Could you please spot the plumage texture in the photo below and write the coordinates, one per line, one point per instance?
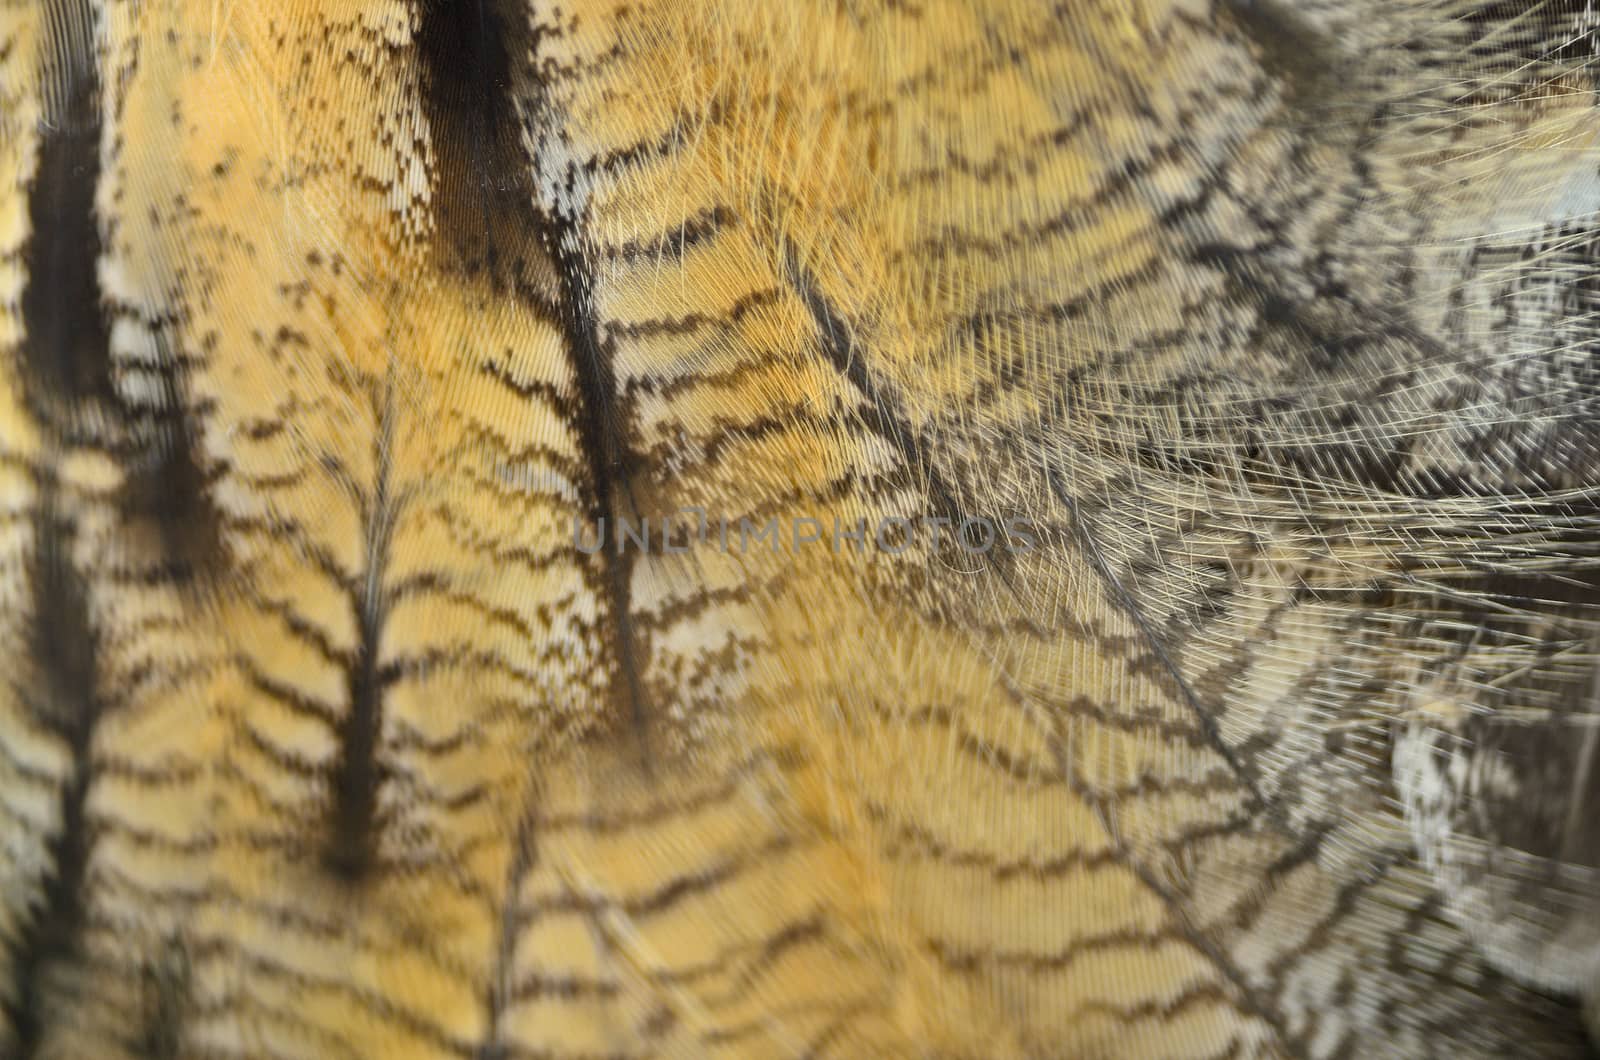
(329, 330)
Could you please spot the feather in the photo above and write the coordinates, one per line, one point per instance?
(882, 528)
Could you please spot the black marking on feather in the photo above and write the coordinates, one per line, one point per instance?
(66, 360)
(1522, 35)
(883, 408)
(1324, 332)
(1083, 533)
(612, 468)
(359, 773)
(64, 648)
(168, 483)
(1290, 50)
(1553, 768)
(1342, 417)
(67, 347)
(502, 986)
(70, 369)
(167, 981)
(485, 227)
(1281, 310)
(597, 417)
(484, 215)
(485, 208)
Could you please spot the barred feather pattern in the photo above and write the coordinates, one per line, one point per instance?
(330, 329)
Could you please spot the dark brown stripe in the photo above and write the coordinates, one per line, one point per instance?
(883, 408)
(482, 197)
(595, 411)
(679, 888)
(1292, 51)
(671, 245)
(353, 837)
(1087, 540)
(166, 482)
(689, 323)
(612, 465)
(166, 983)
(65, 360)
(505, 989)
(67, 348)
(64, 651)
